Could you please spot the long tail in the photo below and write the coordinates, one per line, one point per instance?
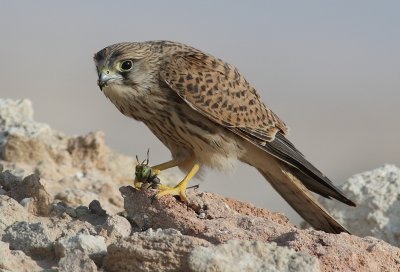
(293, 177)
(300, 199)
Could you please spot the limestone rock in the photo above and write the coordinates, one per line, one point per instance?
(377, 195)
(32, 238)
(225, 219)
(80, 164)
(32, 187)
(76, 261)
(15, 260)
(160, 250)
(228, 219)
(10, 212)
(76, 202)
(92, 246)
(237, 256)
(116, 227)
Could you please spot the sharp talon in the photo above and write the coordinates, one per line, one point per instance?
(180, 189)
(194, 187)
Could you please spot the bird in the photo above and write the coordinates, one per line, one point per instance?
(209, 116)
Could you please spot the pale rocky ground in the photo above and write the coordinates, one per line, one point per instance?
(377, 194)
(66, 204)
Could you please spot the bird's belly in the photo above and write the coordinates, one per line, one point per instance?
(194, 135)
(181, 129)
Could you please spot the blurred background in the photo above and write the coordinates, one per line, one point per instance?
(330, 69)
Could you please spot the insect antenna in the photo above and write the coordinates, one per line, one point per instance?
(148, 155)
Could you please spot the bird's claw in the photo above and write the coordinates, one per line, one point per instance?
(178, 190)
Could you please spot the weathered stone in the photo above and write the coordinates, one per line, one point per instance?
(15, 260)
(117, 226)
(76, 261)
(88, 149)
(95, 208)
(31, 238)
(81, 169)
(237, 256)
(161, 250)
(226, 219)
(10, 212)
(9, 180)
(377, 196)
(31, 187)
(93, 246)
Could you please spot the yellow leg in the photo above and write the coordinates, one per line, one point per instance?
(166, 165)
(180, 189)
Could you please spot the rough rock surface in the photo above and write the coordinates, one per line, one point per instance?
(227, 219)
(161, 250)
(237, 256)
(63, 207)
(377, 194)
(76, 261)
(92, 246)
(32, 238)
(10, 212)
(16, 260)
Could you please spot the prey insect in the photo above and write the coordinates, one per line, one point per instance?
(144, 175)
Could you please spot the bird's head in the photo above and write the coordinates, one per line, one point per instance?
(126, 66)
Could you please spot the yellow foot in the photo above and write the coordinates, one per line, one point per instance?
(178, 190)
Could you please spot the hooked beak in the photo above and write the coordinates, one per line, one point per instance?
(105, 77)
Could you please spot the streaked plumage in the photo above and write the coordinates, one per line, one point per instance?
(207, 113)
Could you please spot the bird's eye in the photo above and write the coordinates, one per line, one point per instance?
(126, 65)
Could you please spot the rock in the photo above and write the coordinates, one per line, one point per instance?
(226, 219)
(344, 252)
(161, 250)
(15, 260)
(16, 117)
(88, 151)
(15, 112)
(376, 193)
(28, 141)
(31, 187)
(83, 213)
(95, 208)
(76, 196)
(65, 226)
(251, 256)
(32, 238)
(80, 164)
(76, 261)
(8, 180)
(93, 246)
(10, 212)
(83, 172)
(29, 204)
(117, 227)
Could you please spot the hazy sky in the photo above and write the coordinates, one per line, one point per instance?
(330, 69)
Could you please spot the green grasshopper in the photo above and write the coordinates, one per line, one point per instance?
(144, 175)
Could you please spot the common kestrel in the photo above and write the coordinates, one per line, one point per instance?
(207, 114)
